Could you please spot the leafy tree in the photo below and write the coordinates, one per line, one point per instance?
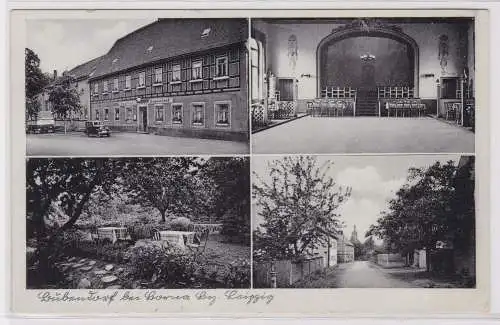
(66, 183)
(35, 81)
(168, 184)
(60, 188)
(422, 212)
(64, 98)
(230, 199)
(299, 205)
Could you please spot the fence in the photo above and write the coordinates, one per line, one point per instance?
(213, 228)
(390, 260)
(287, 272)
(71, 125)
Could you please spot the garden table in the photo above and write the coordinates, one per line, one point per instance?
(178, 238)
(112, 233)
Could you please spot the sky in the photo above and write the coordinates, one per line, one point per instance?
(374, 180)
(62, 44)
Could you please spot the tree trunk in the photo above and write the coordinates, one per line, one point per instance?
(163, 217)
(64, 126)
(428, 259)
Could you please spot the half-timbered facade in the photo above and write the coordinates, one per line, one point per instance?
(177, 77)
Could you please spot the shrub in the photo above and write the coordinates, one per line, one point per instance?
(180, 224)
(238, 274)
(153, 262)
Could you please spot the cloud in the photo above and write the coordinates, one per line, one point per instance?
(360, 212)
(64, 44)
(369, 196)
(367, 182)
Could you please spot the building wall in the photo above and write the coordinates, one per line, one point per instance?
(309, 35)
(328, 253)
(231, 90)
(235, 131)
(83, 89)
(345, 251)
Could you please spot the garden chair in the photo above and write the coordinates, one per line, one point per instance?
(156, 235)
(199, 244)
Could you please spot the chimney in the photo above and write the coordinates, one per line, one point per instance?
(55, 74)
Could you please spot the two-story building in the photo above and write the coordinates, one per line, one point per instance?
(79, 80)
(176, 77)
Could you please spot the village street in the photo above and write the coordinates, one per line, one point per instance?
(78, 144)
(358, 274)
(320, 135)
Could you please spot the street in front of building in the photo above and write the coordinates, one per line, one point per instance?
(358, 274)
(124, 143)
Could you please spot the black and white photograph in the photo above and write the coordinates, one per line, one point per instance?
(137, 223)
(364, 222)
(363, 85)
(136, 87)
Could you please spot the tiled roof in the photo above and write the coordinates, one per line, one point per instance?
(168, 38)
(84, 70)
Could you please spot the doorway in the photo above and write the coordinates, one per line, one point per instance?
(143, 119)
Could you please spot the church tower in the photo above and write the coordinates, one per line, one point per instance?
(354, 235)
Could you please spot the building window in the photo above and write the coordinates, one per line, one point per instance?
(221, 66)
(115, 84)
(198, 114)
(117, 113)
(177, 113)
(105, 86)
(142, 79)
(96, 88)
(257, 70)
(158, 75)
(129, 114)
(176, 72)
(106, 114)
(128, 81)
(196, 70)
(222, 113)
(135, 114)
(159, 113)
(97, 114)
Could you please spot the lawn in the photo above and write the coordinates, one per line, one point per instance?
(225, 253)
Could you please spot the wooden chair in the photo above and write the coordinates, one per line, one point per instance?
(199, 244)
(451, 111)
(156, 235)
(406, 108)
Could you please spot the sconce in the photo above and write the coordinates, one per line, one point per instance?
(138, 99)
(306, 75)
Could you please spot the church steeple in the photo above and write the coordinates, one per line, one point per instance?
(354, 235)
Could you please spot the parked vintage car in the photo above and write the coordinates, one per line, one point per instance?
(96, 128)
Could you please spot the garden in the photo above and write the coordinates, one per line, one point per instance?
(138, 223)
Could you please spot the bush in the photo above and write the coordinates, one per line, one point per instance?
(102, 250)
(238, 274)
(153, 262)
(180, 224)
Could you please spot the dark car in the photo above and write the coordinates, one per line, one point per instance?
(96, 128)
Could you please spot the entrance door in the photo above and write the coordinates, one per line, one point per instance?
(285, 87)
(368, 75)
(143, 119)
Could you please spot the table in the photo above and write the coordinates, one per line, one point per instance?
(177, 238)
(113, 233)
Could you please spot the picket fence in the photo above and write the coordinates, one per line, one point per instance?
(287, 272)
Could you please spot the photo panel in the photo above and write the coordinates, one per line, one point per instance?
(151, 86)
(363, 85)
(137, 223)
(364, 222)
